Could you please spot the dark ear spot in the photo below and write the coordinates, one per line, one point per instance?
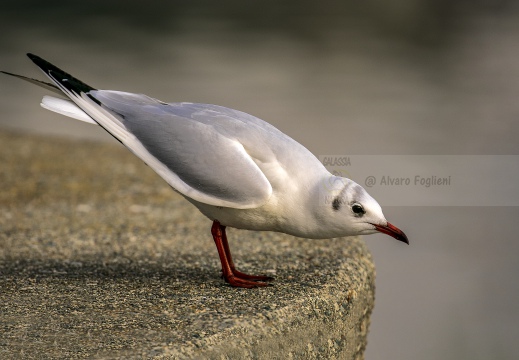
(336, 203)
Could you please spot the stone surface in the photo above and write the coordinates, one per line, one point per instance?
(99, 258)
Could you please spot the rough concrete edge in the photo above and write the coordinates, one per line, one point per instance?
(331, 317)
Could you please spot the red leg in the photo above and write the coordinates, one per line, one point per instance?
(231, 263)
(230, 274)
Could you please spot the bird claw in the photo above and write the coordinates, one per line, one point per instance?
(252, 277)
(239, 279)
(236, 281)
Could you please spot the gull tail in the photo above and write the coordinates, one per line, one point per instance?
(65, 107)
(83, 98)
(55, 104)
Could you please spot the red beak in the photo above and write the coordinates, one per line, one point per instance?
(393, 231)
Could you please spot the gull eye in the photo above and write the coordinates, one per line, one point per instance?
(358, 209)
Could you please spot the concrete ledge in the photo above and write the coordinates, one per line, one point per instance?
(99, 258)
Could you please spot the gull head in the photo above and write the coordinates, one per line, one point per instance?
(352, 211)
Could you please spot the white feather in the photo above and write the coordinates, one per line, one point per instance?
(65, 107)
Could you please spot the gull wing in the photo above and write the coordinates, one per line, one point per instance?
(196, 145)
(189, 145)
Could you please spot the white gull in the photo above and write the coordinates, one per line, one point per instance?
(238, 170)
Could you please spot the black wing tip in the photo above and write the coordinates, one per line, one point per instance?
(44, 65)
(64, 79)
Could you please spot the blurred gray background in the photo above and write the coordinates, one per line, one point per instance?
(403, 77)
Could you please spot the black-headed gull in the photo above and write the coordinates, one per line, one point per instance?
(238, 170)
